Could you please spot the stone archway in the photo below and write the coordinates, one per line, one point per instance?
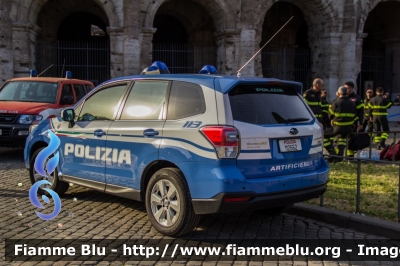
(319, 16)
(323, 27)
(220, 12)
(76, 40)
(185, 43)
(39, 20)
(27, 11)
(209, 25)
(287, 56)
(381, 47)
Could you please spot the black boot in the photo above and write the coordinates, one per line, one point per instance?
(340, 153)
(382, 143)
(331, 151)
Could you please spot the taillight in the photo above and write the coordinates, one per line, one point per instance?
(224, 139)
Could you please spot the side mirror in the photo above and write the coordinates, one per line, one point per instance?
(68, 115)
(67, 100)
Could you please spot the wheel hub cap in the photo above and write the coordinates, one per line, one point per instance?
(164, 203)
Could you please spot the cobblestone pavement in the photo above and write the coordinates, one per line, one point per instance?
(95, 215)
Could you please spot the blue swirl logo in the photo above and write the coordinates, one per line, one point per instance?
(50, 167)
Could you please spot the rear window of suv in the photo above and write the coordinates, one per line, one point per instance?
(267, 105)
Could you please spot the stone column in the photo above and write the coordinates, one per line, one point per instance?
(34, 31)
(116, 51)
(24, 46)
(6, 58)
(326, 62)
(146, 47)
(131, 57)
(131, 34)
(228, 51)
(258, 71)
(392, 65)
(350, 58)
(247, 51)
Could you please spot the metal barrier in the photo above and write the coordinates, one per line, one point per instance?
(359, 161)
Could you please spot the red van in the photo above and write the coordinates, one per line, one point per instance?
(24, 101)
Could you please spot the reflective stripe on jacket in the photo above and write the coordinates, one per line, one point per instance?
(378, 106)
(313, 99)
(359, 106)
(366, 108)
(343, 112)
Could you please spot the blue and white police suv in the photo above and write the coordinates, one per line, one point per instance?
(188, 145)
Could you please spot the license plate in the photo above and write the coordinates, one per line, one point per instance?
(1, 132)
(288, 145)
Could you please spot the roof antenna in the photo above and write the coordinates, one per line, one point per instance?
(62, 71)
(238, 73)
(44, 71)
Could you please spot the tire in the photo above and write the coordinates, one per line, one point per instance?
(58, 186)
(276, 210)
(170, 211)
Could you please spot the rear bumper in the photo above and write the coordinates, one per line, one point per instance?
(217, 204)
(9, 135)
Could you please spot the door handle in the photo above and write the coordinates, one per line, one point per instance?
(150, 133)
(99, 133)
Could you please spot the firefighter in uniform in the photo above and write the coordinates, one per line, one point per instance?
(325, 116)
(312, 97)
(358, 123)
(342, 114)
(367, 121)
(324, 108)
(378, 115)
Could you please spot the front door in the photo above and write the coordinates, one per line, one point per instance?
(83, 146)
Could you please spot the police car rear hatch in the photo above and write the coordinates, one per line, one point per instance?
(278, 135)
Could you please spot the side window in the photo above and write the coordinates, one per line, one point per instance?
(79, 90)
(66, 91)
(145, 101)
(88, 88)
(102, 104)
(186, 99)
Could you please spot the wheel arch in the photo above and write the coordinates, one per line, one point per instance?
(36, 146)
(149, 172)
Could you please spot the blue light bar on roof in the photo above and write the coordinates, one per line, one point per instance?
(68, 75)
(157, 67)
(208, 69)
(32, 73)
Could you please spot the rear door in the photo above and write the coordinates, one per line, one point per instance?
(135, 137)
(278, 133)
